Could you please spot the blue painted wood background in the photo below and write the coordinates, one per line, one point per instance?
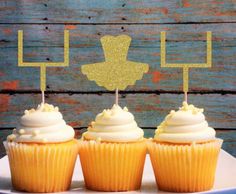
(185, 22)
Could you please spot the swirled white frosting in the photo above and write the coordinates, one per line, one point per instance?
(43, 125)
(114, 125)
(186, 125)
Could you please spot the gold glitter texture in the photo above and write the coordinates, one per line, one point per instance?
(116, 72)
(43, 65)
(186, 66)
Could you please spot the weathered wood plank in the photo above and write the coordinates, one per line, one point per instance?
(145, 35)
(3, 136)
(149, 109)
(117, 11)
(228, 136)
(183, 45)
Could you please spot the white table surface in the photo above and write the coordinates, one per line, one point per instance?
(225, 177)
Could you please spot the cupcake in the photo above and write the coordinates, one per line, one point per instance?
(42, 151)
(184, 151)
(112, 152)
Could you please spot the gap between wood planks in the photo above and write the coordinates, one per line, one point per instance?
(120, 23)
(99, 92)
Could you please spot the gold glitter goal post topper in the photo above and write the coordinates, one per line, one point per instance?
(43, 65)
(186, 66)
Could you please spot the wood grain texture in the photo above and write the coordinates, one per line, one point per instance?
(149, 109)
(183, 45)
(3, 136)
(122, 11)
(228, 136)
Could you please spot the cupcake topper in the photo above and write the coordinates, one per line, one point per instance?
(43, 65)
(116, 72)
(186, 66)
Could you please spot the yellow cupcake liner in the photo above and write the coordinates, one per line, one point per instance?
(112, 166)
(184, 168)
(42, 167)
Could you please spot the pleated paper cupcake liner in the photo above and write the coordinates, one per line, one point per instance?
(112, 166)
(42, 167)
(184, 168)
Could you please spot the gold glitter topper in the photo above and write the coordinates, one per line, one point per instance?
(186, 66)
(43, 65)
(116, 72)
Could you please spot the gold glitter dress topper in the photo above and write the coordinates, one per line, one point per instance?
(116, 72)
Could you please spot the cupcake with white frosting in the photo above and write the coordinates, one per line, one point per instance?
(184, 151)
(112, 152)
(42, 151)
